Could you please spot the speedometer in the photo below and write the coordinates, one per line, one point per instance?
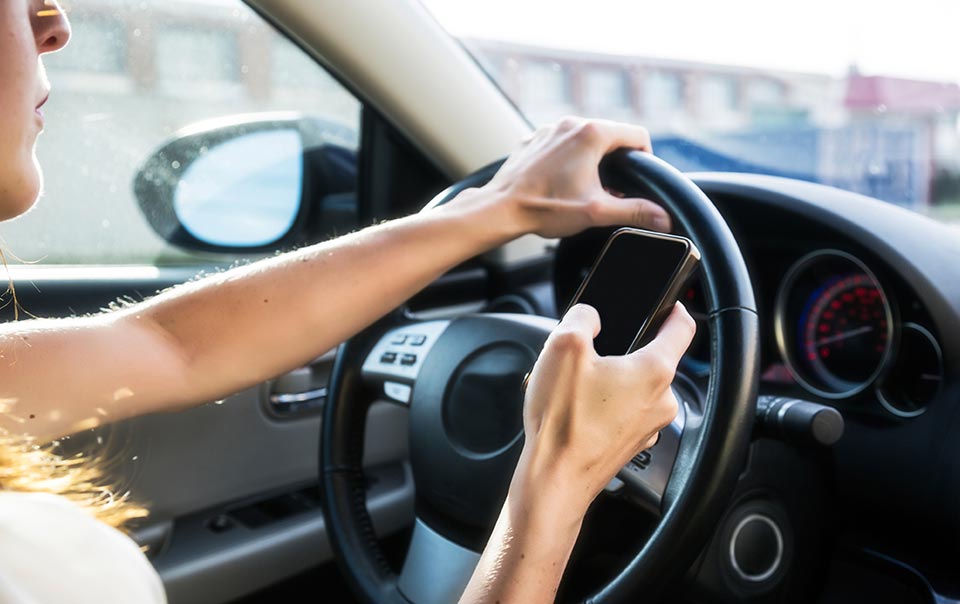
(844, 332)
(834, 324)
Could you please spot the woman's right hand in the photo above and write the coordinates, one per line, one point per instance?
(585, 415)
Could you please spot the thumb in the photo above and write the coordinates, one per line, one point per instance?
(630, 211)
(582, 319)
(674, 337)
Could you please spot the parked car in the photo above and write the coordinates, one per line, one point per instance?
(214, 132)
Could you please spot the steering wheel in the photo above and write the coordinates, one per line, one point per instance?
(461, 380)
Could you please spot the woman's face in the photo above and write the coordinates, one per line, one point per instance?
(28, 29)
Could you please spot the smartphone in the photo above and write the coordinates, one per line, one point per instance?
(634, 284)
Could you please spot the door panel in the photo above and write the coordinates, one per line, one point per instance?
(243, 513)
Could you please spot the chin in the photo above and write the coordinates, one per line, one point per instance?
(21, 191)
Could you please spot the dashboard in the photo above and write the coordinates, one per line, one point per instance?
(859, 307)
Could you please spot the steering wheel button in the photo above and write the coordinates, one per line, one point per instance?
(388, 357)
(399, 339)
(417, 340)
(398, 392)
(408, 359)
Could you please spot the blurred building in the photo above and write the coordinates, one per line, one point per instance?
(667, 95)
(884, 137)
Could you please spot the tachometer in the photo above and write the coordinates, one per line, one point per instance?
(834, 324)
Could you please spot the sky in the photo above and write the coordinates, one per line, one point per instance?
(916, 39)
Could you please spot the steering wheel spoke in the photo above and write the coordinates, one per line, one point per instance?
(436, 569)
(645, 477)
(394, 362)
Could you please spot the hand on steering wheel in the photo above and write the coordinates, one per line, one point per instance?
(554, 187)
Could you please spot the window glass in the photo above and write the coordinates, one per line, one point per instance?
(288, 70)
(765, 93)
(292, 76)
(187, 55)
(546, 84)
(494, 67)
(133, 77)
(606, 90)
(717, 102)
(662, 93)
(98, 45)
(720, 92)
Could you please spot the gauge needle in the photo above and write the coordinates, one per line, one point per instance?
(843, 335)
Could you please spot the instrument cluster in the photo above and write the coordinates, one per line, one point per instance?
(839, 333)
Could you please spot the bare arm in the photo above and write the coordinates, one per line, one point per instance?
(205, 340)
(585, 416)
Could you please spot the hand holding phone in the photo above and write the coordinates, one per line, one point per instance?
(634, 284)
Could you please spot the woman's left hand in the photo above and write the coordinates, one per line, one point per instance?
(554, 183)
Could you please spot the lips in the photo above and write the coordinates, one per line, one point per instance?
(41, 104)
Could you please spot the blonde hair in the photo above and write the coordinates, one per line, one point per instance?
(27, 466)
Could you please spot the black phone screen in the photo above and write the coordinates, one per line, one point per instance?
(626, 283)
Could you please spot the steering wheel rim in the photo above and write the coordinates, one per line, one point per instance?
(702, 480)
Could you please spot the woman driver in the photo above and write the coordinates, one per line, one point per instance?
(584, 416)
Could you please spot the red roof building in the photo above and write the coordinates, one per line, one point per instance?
(900, 95)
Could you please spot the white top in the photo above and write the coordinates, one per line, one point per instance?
(52, 551)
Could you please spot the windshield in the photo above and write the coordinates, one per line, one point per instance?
(855, 94)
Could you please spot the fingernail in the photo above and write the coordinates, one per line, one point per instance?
(661, 222)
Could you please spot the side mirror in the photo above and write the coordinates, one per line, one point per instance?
(250, 183)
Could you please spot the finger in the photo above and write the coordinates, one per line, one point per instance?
(674, 336)
(651, 442)
(617, 134)
(583, 319)
(632, 211)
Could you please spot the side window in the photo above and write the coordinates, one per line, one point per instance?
(131, 82)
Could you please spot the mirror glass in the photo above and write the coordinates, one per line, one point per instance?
(244, 192)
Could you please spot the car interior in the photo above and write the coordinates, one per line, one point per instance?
(814, 458)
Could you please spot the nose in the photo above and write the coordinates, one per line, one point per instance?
(50, 26)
